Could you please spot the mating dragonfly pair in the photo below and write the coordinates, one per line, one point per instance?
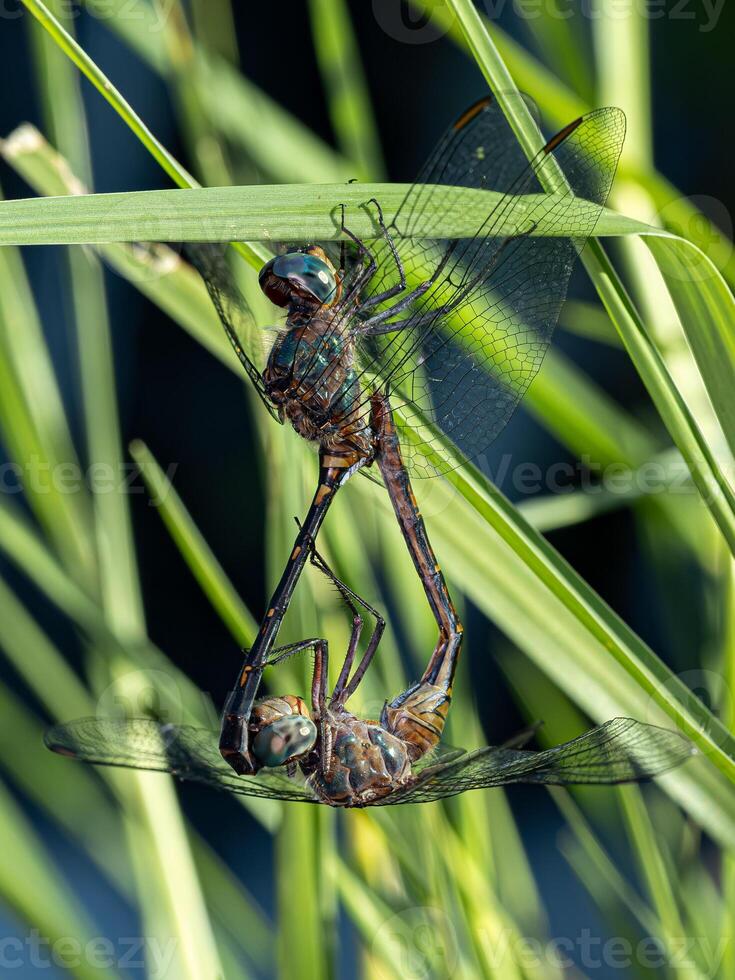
(455, 330)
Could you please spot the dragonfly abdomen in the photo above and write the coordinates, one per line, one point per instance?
(417, 717)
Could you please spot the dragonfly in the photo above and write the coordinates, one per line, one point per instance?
(392, 345)
(329, 755)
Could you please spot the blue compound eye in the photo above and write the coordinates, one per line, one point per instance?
(283, 740)
(298, 275)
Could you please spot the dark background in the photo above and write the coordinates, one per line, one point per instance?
(188, 408)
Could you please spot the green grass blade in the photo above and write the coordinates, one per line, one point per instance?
(214, 23)
(700, 455)
(707, 313)
(654, 871)
(194, 548)
(602, 866)
(271, 137)
(604, 432)
(694, 447)
(559, 105)
(558, 102)
(261, 213)
(66, 794)
(622, 55)
(345, 87)
(32, 887)
(650, 673)
(559, 34)
(160, 832)
(34, 424)
(588, 320)
(103, 85)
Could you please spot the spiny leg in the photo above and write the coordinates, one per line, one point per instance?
(367, 325)
(376, 325)
(289, 650)
(319, 683)
(353, 284)
(343, 690)
(392, 291)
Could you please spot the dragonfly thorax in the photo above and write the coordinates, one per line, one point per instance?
(311, 378)
(364, 762)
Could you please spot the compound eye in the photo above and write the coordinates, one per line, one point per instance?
(283, 740)
(275, 286)
(309, 276)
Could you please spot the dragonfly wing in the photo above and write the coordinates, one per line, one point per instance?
(463, 354)
(183, 751)
(620, 751)
(247, 340)
(441, 753)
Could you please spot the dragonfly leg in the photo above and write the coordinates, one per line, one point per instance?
(376, 325)
(319, 684)
(418, 714)
(233, 742)
(342, 689)
(352, 286)
(367, 326)
(400, 286)
(290, 650)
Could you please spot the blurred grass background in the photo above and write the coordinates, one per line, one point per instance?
(99, 613)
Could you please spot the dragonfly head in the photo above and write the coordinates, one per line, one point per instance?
(302, 279)
(281, 730)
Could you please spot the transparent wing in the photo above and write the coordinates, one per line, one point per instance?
(181, 750)
(248, 342)
(462, 355)
(620, 751)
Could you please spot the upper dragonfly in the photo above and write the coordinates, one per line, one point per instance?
(455, 329)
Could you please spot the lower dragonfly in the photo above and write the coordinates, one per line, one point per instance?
(455, 330)
(329, 755)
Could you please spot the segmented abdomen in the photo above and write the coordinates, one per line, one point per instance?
(417, 717)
